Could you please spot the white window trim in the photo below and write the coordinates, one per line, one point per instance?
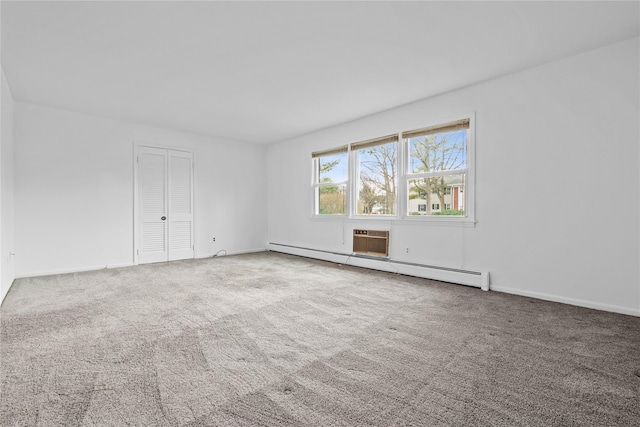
(469, 191)
(353, 166)
(403, 177)
(315, 173)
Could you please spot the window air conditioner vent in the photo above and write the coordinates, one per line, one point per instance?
(371, 242)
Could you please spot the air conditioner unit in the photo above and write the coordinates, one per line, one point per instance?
(371, 242)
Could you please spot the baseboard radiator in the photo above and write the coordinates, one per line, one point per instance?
(477, 279)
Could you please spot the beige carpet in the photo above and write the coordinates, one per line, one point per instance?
(271, 339)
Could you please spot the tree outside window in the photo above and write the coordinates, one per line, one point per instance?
(377, 179)
(330, 179)
(361, 179)
(437, 167)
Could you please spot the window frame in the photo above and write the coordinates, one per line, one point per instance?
(355, 178)
(316, 185)
(402, 180)
(468, 172)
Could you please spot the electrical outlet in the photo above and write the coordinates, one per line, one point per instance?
(214, 239)
(407, 250)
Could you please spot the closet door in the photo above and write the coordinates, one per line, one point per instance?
(152, 205)
(164, 205)
(180, 207)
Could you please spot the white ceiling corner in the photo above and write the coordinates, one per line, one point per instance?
(264, 72)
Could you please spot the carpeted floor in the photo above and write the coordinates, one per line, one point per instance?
(271, 339)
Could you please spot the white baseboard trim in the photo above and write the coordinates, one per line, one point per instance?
(469, 278)
(102, 267)
(6, 292)
(228, 253)
(70, 270)
(571, 301)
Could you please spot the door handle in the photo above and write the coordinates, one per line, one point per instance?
(163, 218)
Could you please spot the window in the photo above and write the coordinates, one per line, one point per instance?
(330, 181)
(437, 169)
(428, 169)
(376, 163)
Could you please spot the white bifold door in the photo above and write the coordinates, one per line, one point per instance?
(164, 205)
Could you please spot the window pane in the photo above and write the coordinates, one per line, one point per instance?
(332, 199)
(429, 196)
(333, 168)
(377, 180)
(439, 152)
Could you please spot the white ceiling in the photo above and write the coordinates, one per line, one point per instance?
(263, 72)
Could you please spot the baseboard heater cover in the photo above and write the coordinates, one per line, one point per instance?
(445, 274)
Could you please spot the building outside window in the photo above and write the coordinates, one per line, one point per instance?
(437, 168)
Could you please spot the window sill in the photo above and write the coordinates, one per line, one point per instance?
(406, 220)
(448, 220)
(375, 217)
(329, 217)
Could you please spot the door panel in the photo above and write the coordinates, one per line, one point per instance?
(152, 202)
(165, 205)
(180, 205)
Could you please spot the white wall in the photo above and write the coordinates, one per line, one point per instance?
(6, 190)
(74, 190)
(551, 142)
